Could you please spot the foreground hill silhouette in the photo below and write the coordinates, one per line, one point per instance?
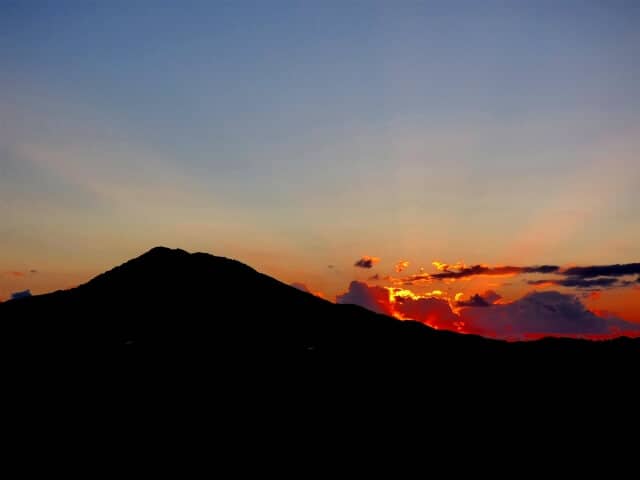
(172, 340)
(173, 303)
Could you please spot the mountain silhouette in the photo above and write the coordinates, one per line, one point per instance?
(172, 307)
(172, 339)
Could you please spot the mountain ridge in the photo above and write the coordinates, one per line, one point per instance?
(170, 300)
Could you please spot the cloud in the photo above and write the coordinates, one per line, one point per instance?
(485, 270)
(372, 298)
(475, 301)
(401, 265)
(366, 262)
(434, 312)
(588, 283)
(617, 270)
(445, 271)
(604, 276)
(487, 299)
(539, 314)
(491, 296)
(443, 267)
(400, 303)
(23, 294)
(536, 315)
(18, 274)
(579, 282)
(15, 274)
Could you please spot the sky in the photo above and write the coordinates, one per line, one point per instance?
(300, 137)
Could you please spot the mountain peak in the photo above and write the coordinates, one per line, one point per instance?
(162, 250)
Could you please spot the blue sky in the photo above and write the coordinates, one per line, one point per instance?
(293, 135)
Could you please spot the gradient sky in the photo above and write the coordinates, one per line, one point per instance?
(297, 135)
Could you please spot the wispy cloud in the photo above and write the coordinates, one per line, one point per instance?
(460, 271)
(485, 270)
(581, 277)
(577, 282)
(117, 174)
(15, 274)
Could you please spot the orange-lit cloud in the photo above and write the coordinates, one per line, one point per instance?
(372, 298)
(366, 261)
(446, 267)
(503, 319)
(623, 302)
(15, 274)
(401, 265)
(442, 267)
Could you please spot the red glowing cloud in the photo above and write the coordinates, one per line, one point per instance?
(535, 315)
(541, 312)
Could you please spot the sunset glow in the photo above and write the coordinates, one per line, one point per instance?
(475, 167)
(536, 308)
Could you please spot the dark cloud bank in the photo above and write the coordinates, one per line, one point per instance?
(589, 277)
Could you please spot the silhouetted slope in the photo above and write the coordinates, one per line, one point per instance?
(175, 300)
(211, 349)
(172, 304)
